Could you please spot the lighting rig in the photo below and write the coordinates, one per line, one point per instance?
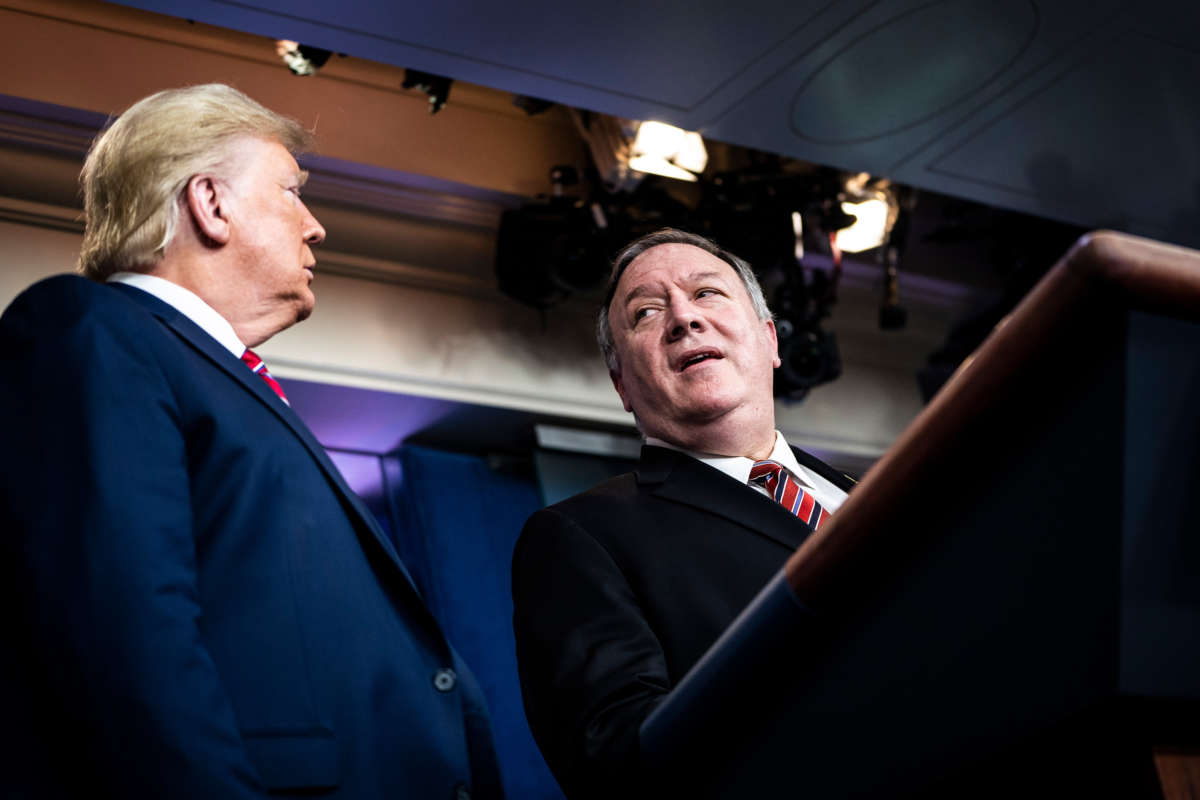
(553, 247)
(562, 245)
(771, 218)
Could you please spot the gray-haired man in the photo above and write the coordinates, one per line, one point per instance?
(619, 591)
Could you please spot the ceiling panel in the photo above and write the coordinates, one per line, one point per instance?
(933, 80)
(914, 67)
(1080, 110)
(1087, 157)
(617, 48)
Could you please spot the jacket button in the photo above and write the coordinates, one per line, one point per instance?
(444, 679)
(461, 792)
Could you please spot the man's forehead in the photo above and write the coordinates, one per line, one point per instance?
(678, 261)
(266, 150)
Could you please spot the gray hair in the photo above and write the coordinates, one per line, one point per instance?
(136, 170)
(669, 236)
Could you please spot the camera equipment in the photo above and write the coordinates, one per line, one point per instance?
(552, 248)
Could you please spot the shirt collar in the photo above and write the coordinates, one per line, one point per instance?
(187, 303)
(738, 467)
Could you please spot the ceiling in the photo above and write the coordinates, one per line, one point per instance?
(1084, 112)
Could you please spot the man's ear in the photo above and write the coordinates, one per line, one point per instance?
(615, 377)
(776, 361)
(207, 202)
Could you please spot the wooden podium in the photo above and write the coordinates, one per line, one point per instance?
(1008, 605)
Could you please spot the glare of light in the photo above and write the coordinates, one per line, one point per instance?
(660, 166)
(870, 227)
(798, 231)
(664, 149)
(691, 154)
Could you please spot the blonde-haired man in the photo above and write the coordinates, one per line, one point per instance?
(199, 606)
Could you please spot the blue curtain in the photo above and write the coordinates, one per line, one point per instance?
(456, 522)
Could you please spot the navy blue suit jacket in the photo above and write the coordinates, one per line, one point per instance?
(198, 606)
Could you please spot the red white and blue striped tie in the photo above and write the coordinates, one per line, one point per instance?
(787, 492)
(257, 366)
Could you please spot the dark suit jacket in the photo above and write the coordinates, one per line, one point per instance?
(618, 592)
(195, 603)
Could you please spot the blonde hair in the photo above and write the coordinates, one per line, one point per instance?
(136, 170)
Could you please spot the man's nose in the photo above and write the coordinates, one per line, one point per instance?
(684, 319)
(314, 233)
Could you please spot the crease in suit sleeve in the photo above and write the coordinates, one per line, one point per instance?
(591, 667)
(108, 568)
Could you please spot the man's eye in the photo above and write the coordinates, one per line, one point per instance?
(644, 312)
(707, 293)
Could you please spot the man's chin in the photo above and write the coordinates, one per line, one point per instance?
(306, 302)
(686, 421)
(706, 408)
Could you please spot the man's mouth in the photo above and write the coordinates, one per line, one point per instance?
(694, 357)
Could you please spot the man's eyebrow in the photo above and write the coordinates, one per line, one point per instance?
(636, 292)
(707, 274)
(694, 277)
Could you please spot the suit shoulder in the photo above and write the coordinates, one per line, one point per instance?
(600, 500)
(64, 300)
(64, 288)
(603, 497)
(591, 518)
(82, 326)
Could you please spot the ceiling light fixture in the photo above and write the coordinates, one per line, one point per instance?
(662, 149)
(435, 87)
(301, 59)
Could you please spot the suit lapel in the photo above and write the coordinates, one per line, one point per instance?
(680, 478)
(211, 349)
(838, 479)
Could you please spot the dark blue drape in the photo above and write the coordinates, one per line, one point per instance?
(457, 520)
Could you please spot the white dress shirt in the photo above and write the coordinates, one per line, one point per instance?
(187, 303)
(738, 467)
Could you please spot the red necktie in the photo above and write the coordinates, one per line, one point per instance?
(257, 366)
(787, 492)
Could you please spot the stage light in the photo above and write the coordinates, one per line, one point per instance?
(552, 248)
(532, 105)
(872, 219)
(658, 139)
(691, 154)
(808, 357)
(798, 232)
(435, 87)
(659, 166)
(301, 59)
(663, 149)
